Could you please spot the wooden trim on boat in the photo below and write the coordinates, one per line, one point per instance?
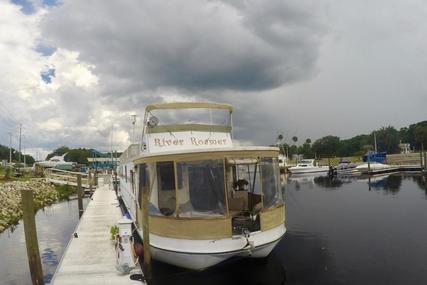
(191, 228)
(271, 218)
(207, 155)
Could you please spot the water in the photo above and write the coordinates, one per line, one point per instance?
(55, 226)
(340, 231)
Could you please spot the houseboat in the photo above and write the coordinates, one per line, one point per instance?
(209, 200)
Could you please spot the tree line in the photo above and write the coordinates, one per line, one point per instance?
(78, 155)
(388, 140)
(4, 155)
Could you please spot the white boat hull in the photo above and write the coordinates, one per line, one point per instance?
(207, 253)
(320, 169)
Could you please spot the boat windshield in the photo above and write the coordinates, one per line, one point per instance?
(306, 162)
(253, 184)
(202, 116)
(270, 174)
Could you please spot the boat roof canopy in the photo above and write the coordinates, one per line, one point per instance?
(189, 105)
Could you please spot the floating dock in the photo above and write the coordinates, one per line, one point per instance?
(397, 168)
(90, 257)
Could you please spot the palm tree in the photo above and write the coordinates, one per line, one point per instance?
(295, 139)
(308, 141)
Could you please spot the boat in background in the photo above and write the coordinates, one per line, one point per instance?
(57, 162)
(346, 167)
(308, 166)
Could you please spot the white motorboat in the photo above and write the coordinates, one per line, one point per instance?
(373, 166)
(308, 166)
(346, 167)
(56, 162)
(209, 200)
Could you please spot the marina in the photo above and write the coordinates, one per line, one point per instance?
(213, 142)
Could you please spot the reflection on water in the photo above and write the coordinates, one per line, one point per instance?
(370, 237)
(55, 225)
(421, 182)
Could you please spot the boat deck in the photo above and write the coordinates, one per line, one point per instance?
(90, 258)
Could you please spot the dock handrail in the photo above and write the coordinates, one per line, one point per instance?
(64, 177)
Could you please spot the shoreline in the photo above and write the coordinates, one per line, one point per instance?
(45, 194)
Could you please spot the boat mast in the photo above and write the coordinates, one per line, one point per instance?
(375, 141)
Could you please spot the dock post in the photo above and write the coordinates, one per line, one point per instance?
(423, 155)
(115, 182)
(80, 194)
(31, 241)
(89, 180)
(369, 182)
(146, 236)
(425, 161)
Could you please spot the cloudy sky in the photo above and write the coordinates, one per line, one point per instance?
(73, 70)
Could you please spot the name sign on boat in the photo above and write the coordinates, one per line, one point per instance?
(161, 142)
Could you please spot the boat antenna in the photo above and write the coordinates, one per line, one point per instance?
(375, 141)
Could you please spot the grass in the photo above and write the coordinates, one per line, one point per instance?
(65, 191)
(7, 174)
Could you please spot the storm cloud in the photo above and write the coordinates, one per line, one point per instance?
(199, 45)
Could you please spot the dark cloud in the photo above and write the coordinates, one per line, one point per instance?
(202, 45)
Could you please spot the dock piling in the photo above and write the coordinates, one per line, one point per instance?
(146, 236)
(89, 179)
(80, 194)
(31, 241)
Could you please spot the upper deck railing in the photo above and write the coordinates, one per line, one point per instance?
(186, 125)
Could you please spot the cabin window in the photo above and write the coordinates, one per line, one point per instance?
(201, 188)
(163, 196)
(270, 175)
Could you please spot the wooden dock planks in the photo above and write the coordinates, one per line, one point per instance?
(90, 258)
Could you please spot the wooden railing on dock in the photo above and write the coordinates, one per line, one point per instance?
(62, 177)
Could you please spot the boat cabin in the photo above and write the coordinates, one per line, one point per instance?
(201, 186)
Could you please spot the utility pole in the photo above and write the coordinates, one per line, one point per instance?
(133, 128)
(375, 141)
(20, 138)
(111, 147)
(10, 148)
